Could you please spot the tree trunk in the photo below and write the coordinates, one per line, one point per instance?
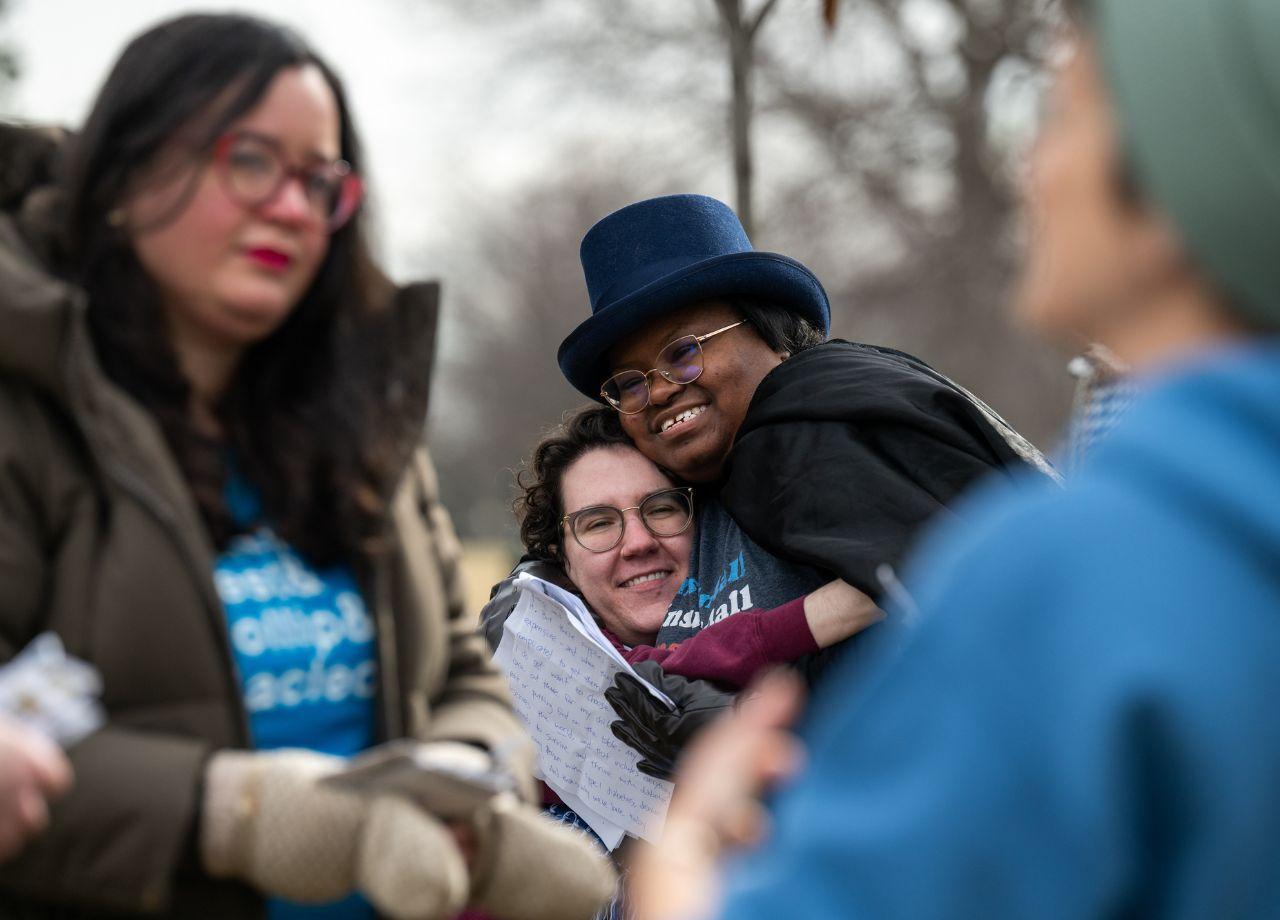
(743, 167)
(739, 38)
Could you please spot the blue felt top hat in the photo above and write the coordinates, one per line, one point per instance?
(659, 255)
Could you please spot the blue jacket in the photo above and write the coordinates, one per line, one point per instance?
(1086, 722)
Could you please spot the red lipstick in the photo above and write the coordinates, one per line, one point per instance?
(270, 258)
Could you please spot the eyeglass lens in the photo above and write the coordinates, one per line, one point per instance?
(254, 172)
(663, 514)
(680, 362)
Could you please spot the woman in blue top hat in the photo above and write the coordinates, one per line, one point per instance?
(1091, 710)
(819, 458)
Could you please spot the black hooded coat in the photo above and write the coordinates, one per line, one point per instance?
(847, 450)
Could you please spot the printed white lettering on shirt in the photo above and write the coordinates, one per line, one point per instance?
(281, 628)
(333, 684)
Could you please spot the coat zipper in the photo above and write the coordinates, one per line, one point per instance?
(389, 686)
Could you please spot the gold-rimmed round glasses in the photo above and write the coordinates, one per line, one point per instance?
(665, 513)
(681, 362)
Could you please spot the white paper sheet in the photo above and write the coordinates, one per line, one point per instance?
(48, 690)
(559, 664)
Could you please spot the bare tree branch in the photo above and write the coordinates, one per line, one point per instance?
(761, 15)
(829, 11)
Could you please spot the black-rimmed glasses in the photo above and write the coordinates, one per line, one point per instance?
(598, 529)
(253, 170)
(681, 362)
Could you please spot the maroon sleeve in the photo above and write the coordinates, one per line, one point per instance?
(737, 648)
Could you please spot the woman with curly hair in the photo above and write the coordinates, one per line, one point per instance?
(578, 490)
(600, 519)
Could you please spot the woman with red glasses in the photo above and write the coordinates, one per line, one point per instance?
(211, 488)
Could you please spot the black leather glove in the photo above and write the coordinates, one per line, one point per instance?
(647, 726)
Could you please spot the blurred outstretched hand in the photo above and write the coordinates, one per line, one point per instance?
(717, 804)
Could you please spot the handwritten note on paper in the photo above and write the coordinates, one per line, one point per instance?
(558, 676)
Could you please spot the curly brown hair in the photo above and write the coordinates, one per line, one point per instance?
(540, 504)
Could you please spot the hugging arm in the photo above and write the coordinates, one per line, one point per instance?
(823, 618)
(732, 652)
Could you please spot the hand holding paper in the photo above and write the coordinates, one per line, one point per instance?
(451, 780)
(559, 665)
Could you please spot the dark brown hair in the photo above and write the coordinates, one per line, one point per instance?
(783, 330)
(540, 504)
(301, 418)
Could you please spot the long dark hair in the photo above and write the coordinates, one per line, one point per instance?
(540, 504)
(299, 417)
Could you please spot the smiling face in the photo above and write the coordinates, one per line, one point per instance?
(688, 429)
(228, 275)
(630, 586)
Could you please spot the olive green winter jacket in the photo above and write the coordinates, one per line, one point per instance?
(101, 541)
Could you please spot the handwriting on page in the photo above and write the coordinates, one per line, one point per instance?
(558, 678)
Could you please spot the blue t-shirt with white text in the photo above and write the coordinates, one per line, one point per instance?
(303, 644)
(729, 573)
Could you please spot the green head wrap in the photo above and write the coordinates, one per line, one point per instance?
(1196, 84)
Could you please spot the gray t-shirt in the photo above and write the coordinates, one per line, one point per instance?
(729, 573)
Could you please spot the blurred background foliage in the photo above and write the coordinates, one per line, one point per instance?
(9, 60)
(878, 141)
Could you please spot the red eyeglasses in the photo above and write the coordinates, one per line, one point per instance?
(254, 169)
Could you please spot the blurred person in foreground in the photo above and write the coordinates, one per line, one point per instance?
(212, 489)
(1083, 725)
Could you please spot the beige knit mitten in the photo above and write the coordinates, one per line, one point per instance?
(267, 819)
(409, 865)
(532, 868)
